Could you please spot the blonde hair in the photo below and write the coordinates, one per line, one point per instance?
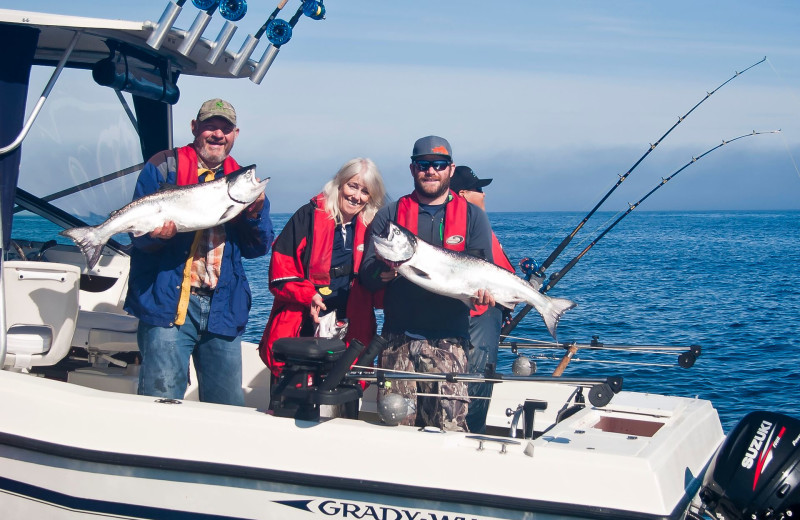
(370, 176)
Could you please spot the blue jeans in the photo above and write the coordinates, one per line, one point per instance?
(165, 358)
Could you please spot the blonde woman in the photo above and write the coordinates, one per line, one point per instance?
(316, 258)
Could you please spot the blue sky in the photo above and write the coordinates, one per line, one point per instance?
(551, 99)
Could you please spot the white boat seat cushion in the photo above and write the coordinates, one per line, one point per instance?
(106, 332)
(27, 340)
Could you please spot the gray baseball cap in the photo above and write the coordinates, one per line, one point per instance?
(217, 108)
(432, 145)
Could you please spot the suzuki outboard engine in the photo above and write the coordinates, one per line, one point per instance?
(755, 474)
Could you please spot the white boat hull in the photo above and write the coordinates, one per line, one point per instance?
(68, 451)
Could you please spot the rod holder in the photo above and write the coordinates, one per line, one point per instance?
(247, 49)
(165, 23)
(221, 43)
(195, 31)
(263, 66)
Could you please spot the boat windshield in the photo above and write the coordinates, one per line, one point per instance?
(82, 134)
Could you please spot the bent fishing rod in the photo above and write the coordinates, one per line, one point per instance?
(560, 248)
(555, 277)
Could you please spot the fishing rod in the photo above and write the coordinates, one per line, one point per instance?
(548, 284)
(686, 359)
(601, 390)
(560, 248)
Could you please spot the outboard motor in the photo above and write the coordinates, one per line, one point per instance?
(313, 375)
(755, 473)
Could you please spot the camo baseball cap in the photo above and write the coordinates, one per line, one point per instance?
(217, 108)
(431, 145)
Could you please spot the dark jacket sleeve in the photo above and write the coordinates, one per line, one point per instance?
(371, 265)
(256, 234)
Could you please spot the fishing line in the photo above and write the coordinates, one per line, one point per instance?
(791, 157)
(797, 100)
(555, 277)
(550, 259)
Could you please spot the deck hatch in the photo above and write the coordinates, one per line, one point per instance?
(628, 426)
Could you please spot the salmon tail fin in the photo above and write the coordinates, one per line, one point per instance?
(88, 240)
(555, 309)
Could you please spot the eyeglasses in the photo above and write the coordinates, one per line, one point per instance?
(439, 166)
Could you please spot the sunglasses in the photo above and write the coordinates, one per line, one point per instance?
(437, 165)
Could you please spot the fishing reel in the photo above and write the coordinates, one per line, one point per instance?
(279, 32)
(232, 10)
(314, 9)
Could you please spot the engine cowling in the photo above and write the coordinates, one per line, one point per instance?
(755, 473)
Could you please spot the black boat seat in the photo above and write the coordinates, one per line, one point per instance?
(314, 351)
(312, 376)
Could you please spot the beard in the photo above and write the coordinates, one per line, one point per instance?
(209, 157)
(430, 191)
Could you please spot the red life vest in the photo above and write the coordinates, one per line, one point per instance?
(186, 158)
(455, 219)
(319, 265)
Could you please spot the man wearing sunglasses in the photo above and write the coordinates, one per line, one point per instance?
(427, 332)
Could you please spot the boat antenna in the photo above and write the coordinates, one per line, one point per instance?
(555, 277)
(560, 248)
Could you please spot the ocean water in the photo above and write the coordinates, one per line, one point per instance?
(727, 281)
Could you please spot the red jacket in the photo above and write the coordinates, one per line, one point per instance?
(500, 260)
(300, 265)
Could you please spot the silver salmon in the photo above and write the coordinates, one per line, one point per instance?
(191, 208)
(460, 276)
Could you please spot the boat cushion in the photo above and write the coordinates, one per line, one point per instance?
(27, 340)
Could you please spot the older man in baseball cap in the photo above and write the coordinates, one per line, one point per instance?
(428, 332)
(189, 290)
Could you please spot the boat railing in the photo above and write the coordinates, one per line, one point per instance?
(45, 93)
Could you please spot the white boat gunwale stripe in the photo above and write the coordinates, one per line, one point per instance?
(96, 506)
(283, 477)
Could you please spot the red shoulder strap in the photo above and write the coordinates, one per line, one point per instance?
(408, 212)
(455, 223)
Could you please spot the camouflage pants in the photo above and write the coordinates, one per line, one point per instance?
(440, 356)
